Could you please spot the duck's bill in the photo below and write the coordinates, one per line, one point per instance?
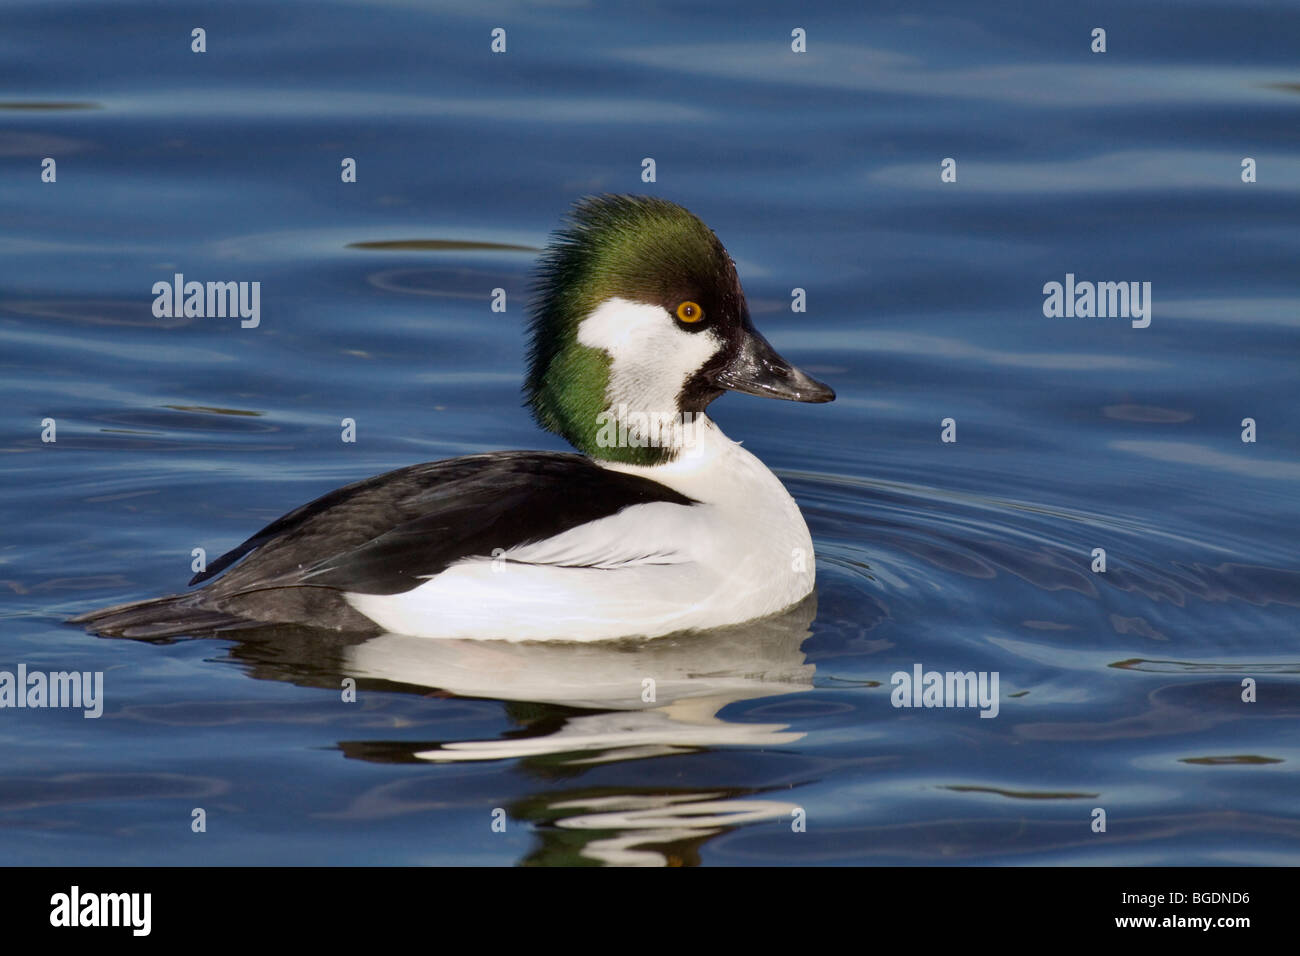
(757, 369)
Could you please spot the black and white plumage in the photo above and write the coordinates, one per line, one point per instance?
(388, 534)
(670, 526)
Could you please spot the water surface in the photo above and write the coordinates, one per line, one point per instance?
(1119, 690)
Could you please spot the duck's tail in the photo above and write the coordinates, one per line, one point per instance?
(156, 618)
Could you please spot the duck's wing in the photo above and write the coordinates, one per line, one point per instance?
(386, 534)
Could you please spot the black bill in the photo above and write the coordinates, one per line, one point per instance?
(758, 370)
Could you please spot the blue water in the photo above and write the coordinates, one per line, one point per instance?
(1119, 691)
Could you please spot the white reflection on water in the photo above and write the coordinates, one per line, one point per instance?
(850, 66)
(1141, 171)
(660, 819)
(943, 347)
(199, 105)
(694, 676)
(1190, 453)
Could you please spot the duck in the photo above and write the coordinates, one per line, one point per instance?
(657, 524)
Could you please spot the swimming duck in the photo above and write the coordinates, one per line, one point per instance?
(661, 524)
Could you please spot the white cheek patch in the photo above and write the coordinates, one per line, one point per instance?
(651, 359)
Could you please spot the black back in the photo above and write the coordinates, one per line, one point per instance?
(385, 534)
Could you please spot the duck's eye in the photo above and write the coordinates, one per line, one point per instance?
(690, 312)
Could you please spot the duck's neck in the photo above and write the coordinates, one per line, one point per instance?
(705, 448)
(601, 422)
(632, 436)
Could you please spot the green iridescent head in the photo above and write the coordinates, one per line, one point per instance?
(639, 322)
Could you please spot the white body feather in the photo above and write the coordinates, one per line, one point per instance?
(743, 552)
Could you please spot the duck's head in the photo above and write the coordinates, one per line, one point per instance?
(639, 323)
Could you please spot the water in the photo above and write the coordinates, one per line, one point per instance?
(1119, 690)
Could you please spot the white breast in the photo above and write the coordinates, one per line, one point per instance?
(743, 552)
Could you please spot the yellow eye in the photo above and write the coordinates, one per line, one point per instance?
(689, 312)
